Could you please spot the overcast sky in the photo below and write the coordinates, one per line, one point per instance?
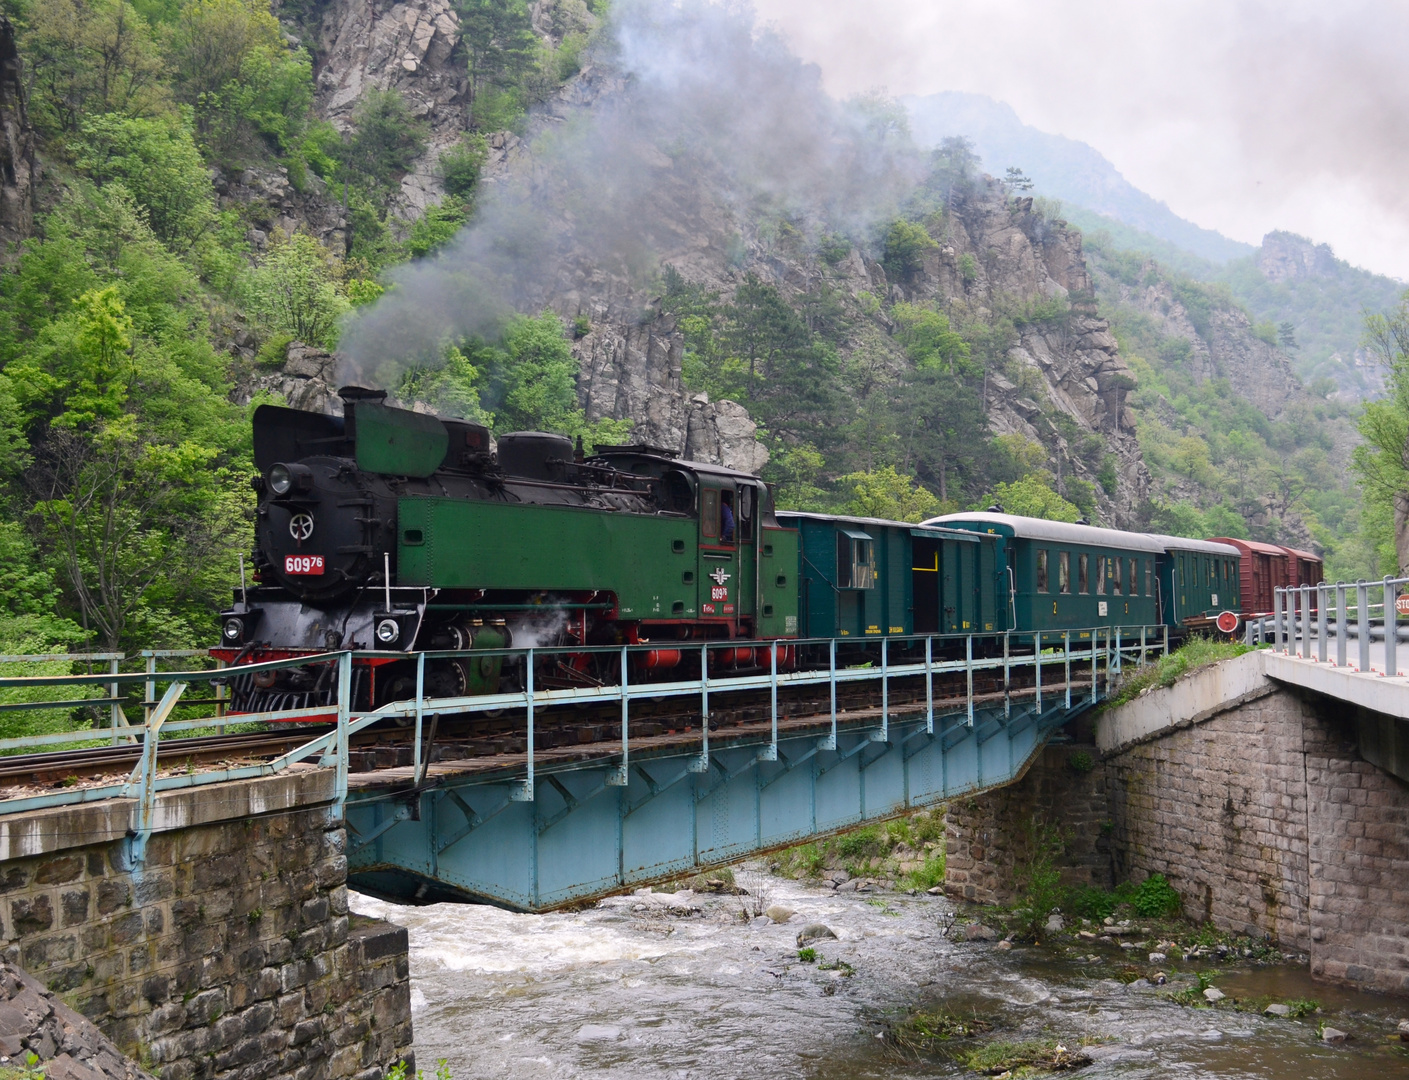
(1243, 115)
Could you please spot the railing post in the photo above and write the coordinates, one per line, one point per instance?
(1342, 631)
(1321, 622)
(1117, 651)
(1095, 682)
(344, 715)
(929, 685)
(1066, 653)
(523, 791)
(884, 734)
(1142, 644)
(701, 763)
(617, 777)
(1362, 621)
(830, 743)
(420, 708)
(969, 674)
(1391, 631)
(1037, 657)
(1277, 620)
(149, 690)
(114, 710)
(1166, 639)
(1007, 677)
(771, 754)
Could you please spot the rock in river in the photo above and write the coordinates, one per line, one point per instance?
(779, 914)
(814, 932)
(979, 932)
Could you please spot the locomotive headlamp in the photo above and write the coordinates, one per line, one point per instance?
(388, 630)
(286, 478)
(233, 630)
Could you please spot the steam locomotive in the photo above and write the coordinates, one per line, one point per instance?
(395, 532)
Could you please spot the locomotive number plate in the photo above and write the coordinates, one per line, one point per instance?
(719, 592)
(303, 564)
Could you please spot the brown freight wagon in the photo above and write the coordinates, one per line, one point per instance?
(1261, 568)
(1304, 567)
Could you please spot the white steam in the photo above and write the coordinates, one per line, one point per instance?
(690, 126)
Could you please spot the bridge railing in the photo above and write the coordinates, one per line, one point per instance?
(1344, 624)
(1088, 656)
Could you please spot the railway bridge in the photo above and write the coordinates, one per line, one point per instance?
(180, 874)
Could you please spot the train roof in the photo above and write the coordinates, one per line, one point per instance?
(1246, 546)
(1061, 532)
(656, 453)
(1184, 543)
(1312, 556)
(921, 529)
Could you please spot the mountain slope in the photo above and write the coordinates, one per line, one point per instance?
(1063, 168)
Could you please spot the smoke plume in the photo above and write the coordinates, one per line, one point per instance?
(690, 126)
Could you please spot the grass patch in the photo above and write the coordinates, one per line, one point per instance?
(807, 956)
(927, 1030)
(1044, 1054)
(870, 852)
(837, 965)
(1196, 653)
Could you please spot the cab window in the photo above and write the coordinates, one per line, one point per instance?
(709, 512)
(856, 566)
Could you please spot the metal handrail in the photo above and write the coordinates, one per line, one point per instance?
(1307, 620)
(1103, 648)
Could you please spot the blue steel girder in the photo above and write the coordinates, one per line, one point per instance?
(584, 836)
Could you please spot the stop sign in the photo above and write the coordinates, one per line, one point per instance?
(1228, 621)
(1402, 604)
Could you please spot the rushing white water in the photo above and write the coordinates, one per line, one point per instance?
(633, 988)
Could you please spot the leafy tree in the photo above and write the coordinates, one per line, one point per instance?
(886, 493)
(87, 57)
(295, 290)
(1016, 180)
(435, 228)
(929, 340)
(1383, 459)
(905, 245)
(498, 34)
(1032, 497)
(386, 140)
(157, 161)
(460, 166)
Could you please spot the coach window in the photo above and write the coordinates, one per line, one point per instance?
(1100, 575)
(1148, 590)
(709, 512)
(1114, 567)
(1041, 569)
(1083, 579)
(1064, 572)
(1134, 578)
(856, 567)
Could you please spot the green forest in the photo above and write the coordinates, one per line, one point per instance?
(126, 472)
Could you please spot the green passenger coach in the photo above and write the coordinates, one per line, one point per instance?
(1061, 575)
(869, 577)
(1198, 579)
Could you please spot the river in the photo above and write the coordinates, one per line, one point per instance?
(631, 988)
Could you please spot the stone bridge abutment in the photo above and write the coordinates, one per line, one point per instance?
(1252, 798)
(228, 951)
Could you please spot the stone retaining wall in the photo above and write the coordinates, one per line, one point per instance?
(1262, 815)
(228, 953)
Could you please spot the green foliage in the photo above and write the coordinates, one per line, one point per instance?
(1382, 460)
(156, 160)
(885, 493)
(249, 92)
(832, 249)
(807, 955)
(1032, 497)
(89, 57)
(968, 268)
(385, 140)
(1036, 875)
(461, 164)
(295, 290)
(1194, 654)
(1155, 898)
(905, 246)
(435, 228)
